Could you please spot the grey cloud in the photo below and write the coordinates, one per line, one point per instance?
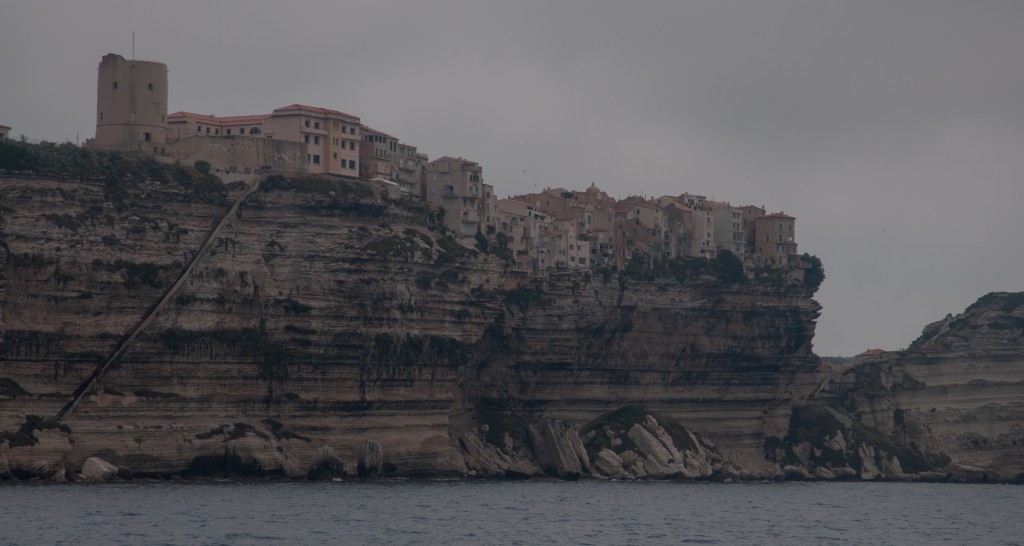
(892, 130)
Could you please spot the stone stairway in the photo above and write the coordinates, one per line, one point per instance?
(155, 309)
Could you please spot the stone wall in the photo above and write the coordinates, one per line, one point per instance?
(240, 154)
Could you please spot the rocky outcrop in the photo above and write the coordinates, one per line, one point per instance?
(324, 314)
(371, 460)
(97, 470)
(558, 450)
(954, 396)
(325, 465)
(631, 443)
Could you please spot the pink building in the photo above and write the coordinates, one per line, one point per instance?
(332, 137)
(457, 185)
(188, 124)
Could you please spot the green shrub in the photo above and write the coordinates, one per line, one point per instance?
(727, 267)
(523, 297)
(815, 274)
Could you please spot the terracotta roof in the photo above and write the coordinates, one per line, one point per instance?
(456, 159)
(778, 215)
(367, 128)
(513, 206)
(4, 127)
(213, 120)
(238, 120)
(317, 109)
(872, 352)
(719, 204)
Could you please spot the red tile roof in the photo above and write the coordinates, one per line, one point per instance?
(213, 120)
(239, 120)
(872, 352)
(317, 109)
(368, 129)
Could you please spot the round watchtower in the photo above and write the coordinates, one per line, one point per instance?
(131, 104)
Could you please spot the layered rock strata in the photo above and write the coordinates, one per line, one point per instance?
(327, 316)
(957, 391)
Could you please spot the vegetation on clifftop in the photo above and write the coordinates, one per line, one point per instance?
(118, 170)
(815, 275)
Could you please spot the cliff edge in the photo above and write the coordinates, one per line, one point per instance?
(322, 312)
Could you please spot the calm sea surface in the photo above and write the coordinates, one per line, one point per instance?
(402, 512)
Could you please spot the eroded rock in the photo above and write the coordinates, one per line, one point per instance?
(325, 465)
(371, 460)
(97, 470)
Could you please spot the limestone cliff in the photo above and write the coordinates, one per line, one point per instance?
(325, 315)
(955, 395)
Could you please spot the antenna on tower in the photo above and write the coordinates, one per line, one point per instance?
(133, 45)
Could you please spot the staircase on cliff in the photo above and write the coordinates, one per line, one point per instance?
(155, 309)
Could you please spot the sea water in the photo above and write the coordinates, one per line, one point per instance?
(493, 512)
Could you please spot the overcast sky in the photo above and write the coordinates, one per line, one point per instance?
(892, 130)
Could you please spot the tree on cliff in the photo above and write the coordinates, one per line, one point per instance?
(815, 274)
(727, 267)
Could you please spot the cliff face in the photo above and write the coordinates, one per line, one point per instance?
(954, 395)
(323, 315)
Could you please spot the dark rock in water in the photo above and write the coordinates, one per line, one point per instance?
(516, 476)
(124, 473)
(371, 460)
(325, 465)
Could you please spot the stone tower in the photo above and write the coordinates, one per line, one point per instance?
(131, 104)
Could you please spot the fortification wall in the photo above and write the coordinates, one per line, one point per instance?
(242, 155)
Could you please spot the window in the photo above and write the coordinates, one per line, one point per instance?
(146, 137)
(351, 145)
(316, 125)
(307, 139)
(254, 131)
(316, 159)
(351, 164)
(199, 128)
(207, 130)
(335, 155)
(149, 86)
(351, 130)
(307, 123)
(115, 86)
(101, 116)
(316, 140)
(229, 132)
